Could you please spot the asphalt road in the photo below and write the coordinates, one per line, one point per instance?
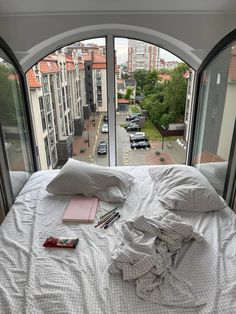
(128, 157)
(125, 155)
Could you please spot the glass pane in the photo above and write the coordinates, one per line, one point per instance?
(216, 118)
(68, 96)
(13, 126)
(153, 104)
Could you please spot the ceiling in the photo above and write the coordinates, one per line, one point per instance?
(56, 6)
(187, 28)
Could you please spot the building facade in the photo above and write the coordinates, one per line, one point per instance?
(142, 56)
(57, 95)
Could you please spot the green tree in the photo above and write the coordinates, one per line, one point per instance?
(7, 107)
(140, 78)
(150, 82)
(119, 95)
(128, 93)
(175, 95)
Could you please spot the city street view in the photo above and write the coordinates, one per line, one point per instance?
(85, 147)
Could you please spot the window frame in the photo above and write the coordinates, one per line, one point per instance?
(229, 192)
(7, 197)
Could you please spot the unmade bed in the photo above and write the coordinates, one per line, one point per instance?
(35, 279)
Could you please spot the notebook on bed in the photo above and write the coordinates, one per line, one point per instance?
(81, 209)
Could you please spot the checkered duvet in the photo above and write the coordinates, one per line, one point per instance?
(34, 279)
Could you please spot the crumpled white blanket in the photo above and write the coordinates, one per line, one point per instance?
(146, 256)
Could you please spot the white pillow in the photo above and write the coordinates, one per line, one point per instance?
(185, 188)
(77, 177)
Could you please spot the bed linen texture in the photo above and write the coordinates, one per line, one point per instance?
(147, 255)
(34, 279)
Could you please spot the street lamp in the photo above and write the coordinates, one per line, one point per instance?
(163, 137)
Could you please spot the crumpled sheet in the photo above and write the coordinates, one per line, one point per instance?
(147, 254)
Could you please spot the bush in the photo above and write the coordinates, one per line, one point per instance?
(82, 150)
(157, 152)
(162, 158)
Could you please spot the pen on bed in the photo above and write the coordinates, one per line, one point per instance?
(105, 219)
(111, 222)
(108, 213)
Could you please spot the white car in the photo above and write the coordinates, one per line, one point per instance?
(136, 134)
(105, 128)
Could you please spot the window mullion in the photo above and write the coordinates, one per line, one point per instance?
(111, 99)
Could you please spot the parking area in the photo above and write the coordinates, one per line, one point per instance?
(85, 146)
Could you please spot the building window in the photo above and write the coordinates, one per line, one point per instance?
(45, 84)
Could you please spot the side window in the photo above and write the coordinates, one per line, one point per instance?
(216, 118)
(16, 158)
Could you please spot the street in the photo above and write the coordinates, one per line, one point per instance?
(172, 153)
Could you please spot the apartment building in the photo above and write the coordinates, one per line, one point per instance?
(142, 56)
(57, 96)
(95, 80)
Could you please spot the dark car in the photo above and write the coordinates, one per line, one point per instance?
(102, 148)
(129, 124)
(133, 127)
(105, 118)
(139, 138)
(141, 144)
(133, 116)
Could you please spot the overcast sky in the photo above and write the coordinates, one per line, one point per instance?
(121, 47)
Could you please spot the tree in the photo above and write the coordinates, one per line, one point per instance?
(165, 102)
(175, 95)
(128, 93)
(140, 78)
(7, 104)
(119, 95)
(150, 82)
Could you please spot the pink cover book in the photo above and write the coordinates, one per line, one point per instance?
(81, 209)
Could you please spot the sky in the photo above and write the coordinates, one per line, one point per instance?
(121, 47)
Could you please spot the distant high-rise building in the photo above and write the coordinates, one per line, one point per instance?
(142, 56)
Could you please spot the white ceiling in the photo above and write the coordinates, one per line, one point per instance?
(188, 28)
(55, 6)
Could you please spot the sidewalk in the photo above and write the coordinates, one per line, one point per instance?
(88, 139)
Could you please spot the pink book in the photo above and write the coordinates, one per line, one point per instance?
(81, 209)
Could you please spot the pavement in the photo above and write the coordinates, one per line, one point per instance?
(88, 140)
(85, 146)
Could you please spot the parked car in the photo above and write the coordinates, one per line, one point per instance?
(133, 127)
(133, 116)
(132, 123)
(105, 128)
(141, 144)
(128, 124)
(105, 118)
(139, 138)
(136, 134)
(102, 148)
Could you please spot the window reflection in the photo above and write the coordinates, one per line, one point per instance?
(13, 126)
(216, 118)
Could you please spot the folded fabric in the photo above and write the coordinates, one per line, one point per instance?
(146, 256)
(77, 177)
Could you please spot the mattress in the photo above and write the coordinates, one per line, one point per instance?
(34, 279)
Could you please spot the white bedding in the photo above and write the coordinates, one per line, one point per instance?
(34, 279)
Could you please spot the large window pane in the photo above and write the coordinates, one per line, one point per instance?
(68, 95)
(216, 118)
(13, 126)
(153, 97)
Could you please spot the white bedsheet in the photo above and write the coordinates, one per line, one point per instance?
(34, 279)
